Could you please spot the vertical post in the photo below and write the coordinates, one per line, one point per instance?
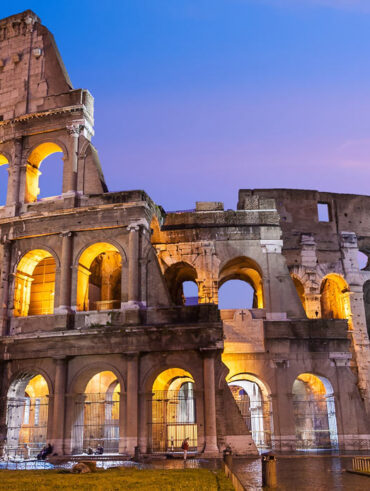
(132, 402)
(210, 401)
(133, 263)
(70, 167)
(14, 169)
(59, 405)
(64, 302)
(4, 286)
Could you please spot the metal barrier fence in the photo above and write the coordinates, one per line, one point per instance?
(361, 464)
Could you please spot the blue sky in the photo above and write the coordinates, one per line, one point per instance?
(196, 99)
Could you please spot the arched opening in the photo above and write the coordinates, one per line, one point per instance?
(34, 287)
(27, 416)
(254, 403)
(173, 411)
(190, 292)
(300, 290)
(236, 294)
(363, 260)
(314, 412)
(97, 416)
(51, 176)
(34, 161)
(246, 270)
(335, 300)
(176, 277)
(3, 179)
(99, 278)
(366, 290)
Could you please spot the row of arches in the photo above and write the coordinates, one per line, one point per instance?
(172, 412)
(47, 156)
(98, 280)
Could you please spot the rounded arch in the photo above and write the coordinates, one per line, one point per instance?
(111, 244)
(80, 380)
(99, 277)
(173, 410)
(335, 300)
(4, 175)
(21, 378)
(34, 285)
(27, 413)
(36, 156)
(4, 158)
(314, 412)
(253, 399)
(245, 269)
(175, 275)
(155, 371)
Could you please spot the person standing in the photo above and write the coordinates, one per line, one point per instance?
(185, 447)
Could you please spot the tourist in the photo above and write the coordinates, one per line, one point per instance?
(185, 447)
(47, 450)
(99, 450)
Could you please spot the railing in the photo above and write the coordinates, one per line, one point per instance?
(361, 464)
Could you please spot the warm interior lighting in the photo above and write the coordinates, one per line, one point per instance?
(3, 159)
(173, 410)
(35, 284)
(335, 298)
(99, 278)
(245, 269)
(33, 164)
(300, 290)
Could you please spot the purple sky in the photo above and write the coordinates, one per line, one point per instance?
(196, 99)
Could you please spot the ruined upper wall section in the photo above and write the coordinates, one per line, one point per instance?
(298, 210)
(31, 69)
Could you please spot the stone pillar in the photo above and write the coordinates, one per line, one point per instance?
(59, 405)
(132, 402)
(144, 401)
(210, 402)
(4, 286)
(133, 263)
(14, 170)
(64, 301)
(70, 165)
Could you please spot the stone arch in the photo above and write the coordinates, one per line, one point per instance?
(97, 409)
(253, 398)
(314, 412)
(335, 301)
(173, 415)
(78, 383)
(175, 275)
(99, 276)
(245, 269)
(36, 155)
(27, 413)
(299, 285)
(34, 284)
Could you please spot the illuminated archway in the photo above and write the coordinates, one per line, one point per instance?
(244, 269)
(96, 422)
(300, 290)
(3, 178)
(99, 278)
(27, 416)
(335, 300)
(314, 412)
(34, 287)
(35, 159)
(176, 275)
(173, 410)
(254, 404)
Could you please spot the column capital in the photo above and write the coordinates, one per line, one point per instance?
(74, 129)
(65, 233)
(135, 225)
(209, 352)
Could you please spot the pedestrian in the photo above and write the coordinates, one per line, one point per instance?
(172, 444)
(185, 447)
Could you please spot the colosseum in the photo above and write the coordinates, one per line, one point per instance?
(100, 345)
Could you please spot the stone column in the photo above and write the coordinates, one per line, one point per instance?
(14, 170)
(64, 301)
(70, 166)
(210, 402)
(59, 405)
(132, 402)
(145, 400)
(133, 263)
(4, 286)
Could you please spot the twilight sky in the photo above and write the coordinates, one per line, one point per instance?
(195, 99)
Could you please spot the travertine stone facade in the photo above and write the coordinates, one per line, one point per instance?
(92, 282)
